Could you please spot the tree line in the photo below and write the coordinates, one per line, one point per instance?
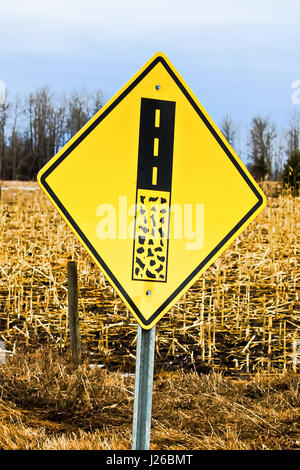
(271, 154)
(34, 128)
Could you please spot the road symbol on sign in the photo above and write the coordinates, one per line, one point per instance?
(152, 189)
(154, 181)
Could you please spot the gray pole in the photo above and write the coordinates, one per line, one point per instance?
(143, 389)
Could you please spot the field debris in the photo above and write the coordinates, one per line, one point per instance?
(242, 316)
(46, 404)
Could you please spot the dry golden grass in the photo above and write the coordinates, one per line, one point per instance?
(241, 317)
(47, 404)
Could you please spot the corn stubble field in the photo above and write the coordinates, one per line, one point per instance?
(226, 362)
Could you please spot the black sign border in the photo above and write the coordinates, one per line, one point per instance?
(96, 122)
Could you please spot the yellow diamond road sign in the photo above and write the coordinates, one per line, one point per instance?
(152, 189)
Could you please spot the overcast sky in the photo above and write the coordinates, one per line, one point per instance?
(239, 57)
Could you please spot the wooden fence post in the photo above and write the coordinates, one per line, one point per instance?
(73, 311)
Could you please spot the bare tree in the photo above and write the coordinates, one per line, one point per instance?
(229, 129)
(97, 102)
(41, 132)
(278, 157)
(81, 107)
(56, 126)
(261, 147)
(4, 108)
(38, 126)
(16, 141)
(293, 133)
(78, 112)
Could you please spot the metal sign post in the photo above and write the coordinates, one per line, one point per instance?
(143, 389)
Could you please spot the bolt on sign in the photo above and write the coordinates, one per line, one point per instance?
(152, 189)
